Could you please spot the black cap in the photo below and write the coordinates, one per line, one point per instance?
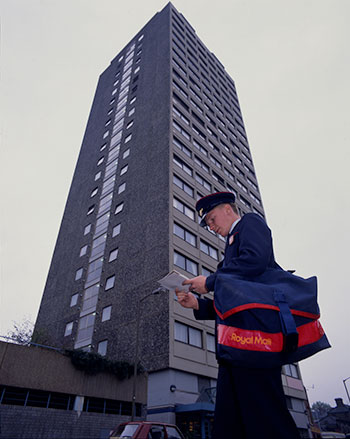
(206, 204)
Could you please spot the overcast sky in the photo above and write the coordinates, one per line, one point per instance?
(291, 64)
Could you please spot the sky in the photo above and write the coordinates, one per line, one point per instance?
(290, 62)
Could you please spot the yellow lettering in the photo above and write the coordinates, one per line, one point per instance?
(251, 340)
(263, 341)
(241, 340)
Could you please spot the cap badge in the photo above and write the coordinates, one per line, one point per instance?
(201, 212)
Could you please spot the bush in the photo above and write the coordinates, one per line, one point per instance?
(92, 364)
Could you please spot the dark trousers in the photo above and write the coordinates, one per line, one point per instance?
(250, 404)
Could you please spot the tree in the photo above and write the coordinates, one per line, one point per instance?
(320, 408)
(22, 332)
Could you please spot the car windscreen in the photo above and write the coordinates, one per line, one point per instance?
(172, 433)
(125, 431)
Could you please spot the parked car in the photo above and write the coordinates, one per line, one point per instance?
(331, 434)
(146, 430)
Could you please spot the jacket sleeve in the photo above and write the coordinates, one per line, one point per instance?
(254, 254)
(206, 310)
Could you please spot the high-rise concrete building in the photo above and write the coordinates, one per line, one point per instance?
(165, 128)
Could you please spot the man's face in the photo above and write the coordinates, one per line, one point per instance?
(220, 219)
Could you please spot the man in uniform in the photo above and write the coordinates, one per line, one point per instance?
(250, 402)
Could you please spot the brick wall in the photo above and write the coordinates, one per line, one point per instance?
(39, 423)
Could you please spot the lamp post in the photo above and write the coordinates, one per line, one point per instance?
(138, 314)
(346, 389)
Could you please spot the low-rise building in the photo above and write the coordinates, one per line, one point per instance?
(337, 418)
(43, 395)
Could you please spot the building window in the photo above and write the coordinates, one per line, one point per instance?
(128, 138)
(131, 112)
(106, 313)
(185, 263)
(69, 329)
(108, 185)
(181, 146)
(119, 208)
(103, 147)
(94, 192)
(296, 405)
(116, 230)
(124, 169)
(133, 99)
(227, 160)
(203, 182)
(105, 204)
(182, 185)
(115, 139)
(130, 124)
(94, 271)
(102, 348)
(117, 128)
(74, 299)
(83, 251)
(255, 198)
(209, 250)
(179, 205)
(178, 100)
(210, 343)
(213, 146)
(200, 163)
(244, 201)
(199, 132)
(126, 153)
(252, 184)
(218, 178)
(113, 255)
(181, 116)
(100, 161)
(78, 274)
(194, 103)
(180, 89)
(200, 147)
(98, 175)
(291, 370)
(187, 334)
(182, 165)
(241, 185)
(184, 234)
(206, 272)
(87, 229)
(216, 162)
(229, 174)
(121, 188)
(181, 130)
(105, 134)
(90, 210)
(110, 283)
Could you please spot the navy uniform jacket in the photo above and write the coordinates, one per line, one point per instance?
(249, 255)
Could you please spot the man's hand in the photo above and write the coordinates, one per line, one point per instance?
(197, 284)
(187, 300)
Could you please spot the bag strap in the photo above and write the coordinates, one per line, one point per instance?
(289, 329)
